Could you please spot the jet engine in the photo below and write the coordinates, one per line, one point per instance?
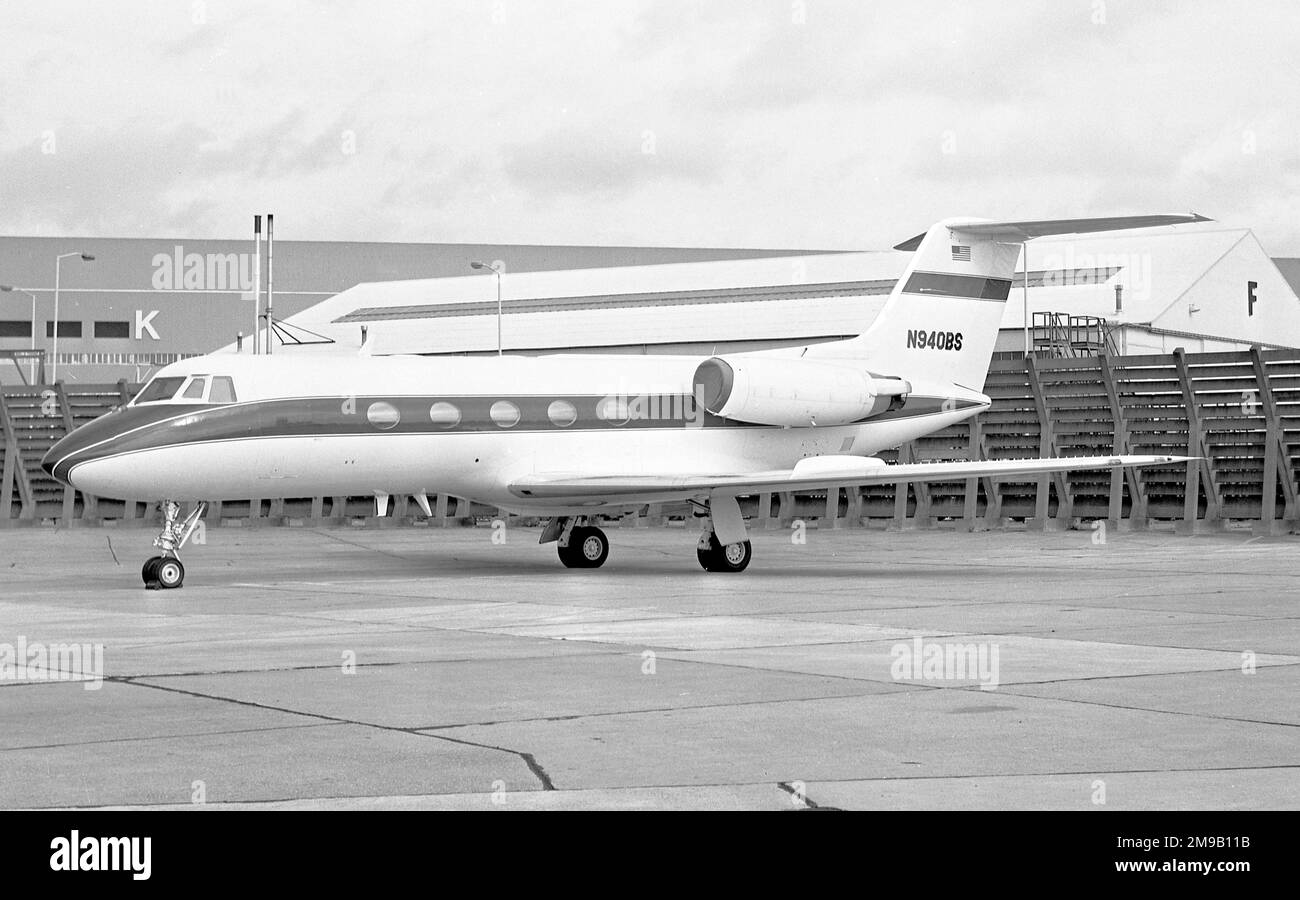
(794, 392)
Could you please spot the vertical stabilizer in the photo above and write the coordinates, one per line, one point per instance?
(942, 319)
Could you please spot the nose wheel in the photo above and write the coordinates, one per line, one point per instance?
(586, 548)
(167, 572)
(163, 573)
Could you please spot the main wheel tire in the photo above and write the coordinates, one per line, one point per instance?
(729, 558)
(170, 573)
(705, 556)
(149, 571)
(569, 555)
(588, 548)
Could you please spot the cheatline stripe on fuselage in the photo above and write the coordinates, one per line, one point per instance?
(172, 425)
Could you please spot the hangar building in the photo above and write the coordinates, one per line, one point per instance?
(145, 302)
(1199, 287)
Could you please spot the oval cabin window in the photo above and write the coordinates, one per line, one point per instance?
(562, 413)
(613, 409)
(383, 415)
(444, 415)
(504, 413)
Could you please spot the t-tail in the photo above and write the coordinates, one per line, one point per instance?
(942, 318)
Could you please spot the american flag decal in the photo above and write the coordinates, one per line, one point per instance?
(961, 253)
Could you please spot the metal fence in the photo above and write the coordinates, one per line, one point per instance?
(1238, 412)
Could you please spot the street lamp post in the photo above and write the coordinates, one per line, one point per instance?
(58, 263)
(1024, 290)
(8, 288)
(495, 267)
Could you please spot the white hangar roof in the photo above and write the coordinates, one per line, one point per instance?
(752, 299)
(1155, 267)
(792, 298)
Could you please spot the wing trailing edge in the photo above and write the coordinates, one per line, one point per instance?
(809, 474)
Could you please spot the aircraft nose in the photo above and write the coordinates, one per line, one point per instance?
(128, 428)
(83, 444)
(62, 451)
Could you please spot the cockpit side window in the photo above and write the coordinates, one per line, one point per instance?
(196, 388)
(160, 389)
(223, 389)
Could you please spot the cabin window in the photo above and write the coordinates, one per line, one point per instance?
(383, 415)
(223, 389)
(504, 413)
(612, 409)
(444, 414)
(562, 413)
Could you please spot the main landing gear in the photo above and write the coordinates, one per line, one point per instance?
(580, 546)
(584, 546)
(166, 572)
(714, 556)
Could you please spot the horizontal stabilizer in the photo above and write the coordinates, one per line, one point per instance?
(1015, 232)
(840, 471)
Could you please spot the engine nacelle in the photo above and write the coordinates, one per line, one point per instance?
(765, 390)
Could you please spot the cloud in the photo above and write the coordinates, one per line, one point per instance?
(779, 123)
(75, 181)
(603, 162)
(291, 146)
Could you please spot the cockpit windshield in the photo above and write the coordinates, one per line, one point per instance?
(160, 389)
(191, 389)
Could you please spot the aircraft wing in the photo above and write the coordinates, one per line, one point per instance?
(1015, 232)
(809, 474)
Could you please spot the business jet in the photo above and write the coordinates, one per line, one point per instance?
(573, 437)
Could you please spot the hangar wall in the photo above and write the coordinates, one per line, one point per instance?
(1242, 297)
(145, 302)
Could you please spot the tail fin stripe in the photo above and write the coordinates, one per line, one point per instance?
(946, 284)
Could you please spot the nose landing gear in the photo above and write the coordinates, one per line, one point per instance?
(166, 572)
(163, 573)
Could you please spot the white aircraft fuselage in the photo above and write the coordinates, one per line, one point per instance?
(351, 425)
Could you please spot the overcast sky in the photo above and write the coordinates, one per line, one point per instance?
(764, 123)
